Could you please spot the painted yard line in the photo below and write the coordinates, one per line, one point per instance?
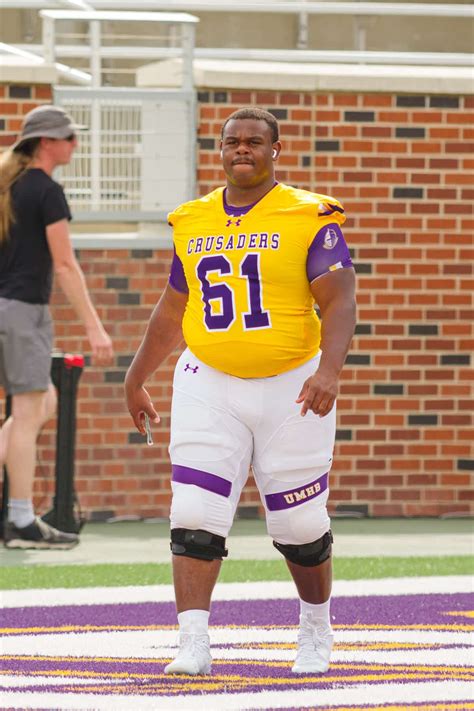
(233, 591)
(17, 681)
(363, 695)
(345, 634)
(224, 672)
(150, 645)
(459, 659)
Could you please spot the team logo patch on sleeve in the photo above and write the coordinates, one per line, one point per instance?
(330, 238)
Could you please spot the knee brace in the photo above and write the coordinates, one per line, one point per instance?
(197, 544)
(308, 554)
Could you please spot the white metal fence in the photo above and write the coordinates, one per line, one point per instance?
(137, 159)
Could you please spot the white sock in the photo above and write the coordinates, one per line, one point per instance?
(193, 621)
(21, 512)
(316, 614)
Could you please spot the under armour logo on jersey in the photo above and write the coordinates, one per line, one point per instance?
(190, 367)
(235, 222)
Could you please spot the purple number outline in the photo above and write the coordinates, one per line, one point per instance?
(223, 321)
(256, 318)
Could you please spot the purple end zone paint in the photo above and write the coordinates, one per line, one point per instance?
(396, 610)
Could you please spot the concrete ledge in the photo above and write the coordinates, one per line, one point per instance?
(234, 74)
(20, 70)
(158, 240)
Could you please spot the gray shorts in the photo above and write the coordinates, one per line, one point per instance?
(26, 340)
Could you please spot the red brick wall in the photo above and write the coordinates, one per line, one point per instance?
(402, 165)
(15, 101)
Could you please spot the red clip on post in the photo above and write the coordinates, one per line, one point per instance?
(75, 360)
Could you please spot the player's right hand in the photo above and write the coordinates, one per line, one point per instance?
(139, 402)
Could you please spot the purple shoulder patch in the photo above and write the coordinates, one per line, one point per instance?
(328, 251)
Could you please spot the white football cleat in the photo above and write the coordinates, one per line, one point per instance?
(314, 648)
(193, 657)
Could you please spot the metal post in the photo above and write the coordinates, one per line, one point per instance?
(188, 53)
(4, 515)
(188, 85)
(96, 122)
(360, 34)
(302, 41)
(96, 63)
(65, 372)
(48, 40)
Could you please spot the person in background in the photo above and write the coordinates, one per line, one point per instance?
(34, 244)
(257, 383)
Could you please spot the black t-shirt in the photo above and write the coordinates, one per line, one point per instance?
(26, 268)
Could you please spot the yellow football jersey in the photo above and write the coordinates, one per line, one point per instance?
(250, 311)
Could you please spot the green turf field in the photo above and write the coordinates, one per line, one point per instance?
(74, 576)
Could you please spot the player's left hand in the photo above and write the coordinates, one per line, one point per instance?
(318, 394)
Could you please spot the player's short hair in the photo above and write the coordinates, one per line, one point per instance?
(253, 112)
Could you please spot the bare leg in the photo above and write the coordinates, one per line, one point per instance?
(4, 439)
(315, 638)
(194, 581)
(313, 583)
(29, 413)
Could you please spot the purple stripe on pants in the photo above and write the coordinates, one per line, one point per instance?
(294, 497)
(205, 480)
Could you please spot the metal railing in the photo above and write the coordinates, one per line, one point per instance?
(180, 32)
(303, 10)
(398, 9)
(308, 56)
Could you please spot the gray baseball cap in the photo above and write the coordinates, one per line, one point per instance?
(46, 122)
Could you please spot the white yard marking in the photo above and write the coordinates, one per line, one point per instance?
(361, 694)
(233, 591)
(162, 643)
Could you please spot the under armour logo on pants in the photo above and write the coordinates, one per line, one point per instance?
(190, 367)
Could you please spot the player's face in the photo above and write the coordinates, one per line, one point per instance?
(247, 152)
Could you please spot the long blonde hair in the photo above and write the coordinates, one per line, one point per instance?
(12, 165)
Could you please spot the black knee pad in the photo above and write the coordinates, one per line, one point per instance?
(197, 544)
(308, 554)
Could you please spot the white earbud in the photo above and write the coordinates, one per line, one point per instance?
(274, 154)
(222, 154)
